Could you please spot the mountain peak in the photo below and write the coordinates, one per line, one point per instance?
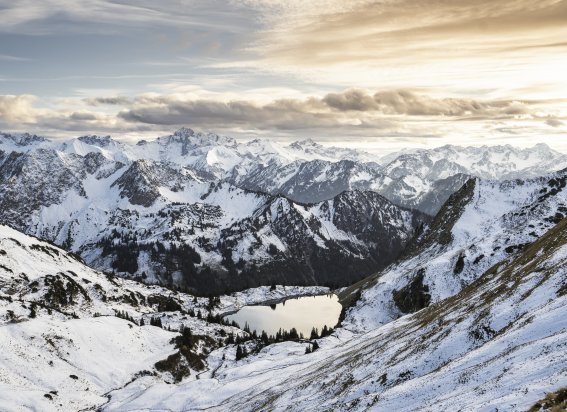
(184, 132)
(23, 139)
(301, 144)
(94, 140)
(542, 147)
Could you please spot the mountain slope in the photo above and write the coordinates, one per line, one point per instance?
(73, 334)
(492, 336)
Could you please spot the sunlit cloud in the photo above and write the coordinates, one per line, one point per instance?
(393, 115)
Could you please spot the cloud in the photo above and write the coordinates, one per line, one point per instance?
(554, 122)
(405, 102)
(394, 114)
(332, 31)
(112, 101)
(350, 104)
(21, 112)
(82, 116)
(15, 109)
(281, 114)
(9, 58)
(351, 100)
(446, 45)
(104, 16)
(350, 109)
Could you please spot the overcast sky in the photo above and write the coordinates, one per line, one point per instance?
(375, 74)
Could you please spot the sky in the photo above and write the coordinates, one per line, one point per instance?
(378, 75)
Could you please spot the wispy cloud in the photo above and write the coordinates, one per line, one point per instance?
(8, 58)
(98, 16)
(412, 43)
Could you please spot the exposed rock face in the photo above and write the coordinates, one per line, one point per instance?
(414, 296)
(30, 181)
(137, 184)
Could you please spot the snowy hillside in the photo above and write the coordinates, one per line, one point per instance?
(481, 225)
(487, 285)
(67, 342)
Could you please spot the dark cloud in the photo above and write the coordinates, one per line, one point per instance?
(281, 114)
(405, 102)
(353, 107)
(112, 101)
(354, 112)
(351, 100)
(82, 116)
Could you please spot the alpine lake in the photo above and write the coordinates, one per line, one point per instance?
(302, 313)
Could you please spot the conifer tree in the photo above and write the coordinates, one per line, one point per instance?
(239, 353)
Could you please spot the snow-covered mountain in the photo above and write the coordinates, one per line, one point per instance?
(206, 204)
(490, 162)
(160, 220)
(422, 179)
(471, 318)
(308, 172)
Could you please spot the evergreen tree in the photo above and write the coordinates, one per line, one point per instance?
(264, 338)
(32, 310)
(239, 353)
(314, 333)
(293, 335)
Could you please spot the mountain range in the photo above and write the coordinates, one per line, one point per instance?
(470, 316)
(208, 214)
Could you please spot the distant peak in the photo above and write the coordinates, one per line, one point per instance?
(184, 132)
(23, 139)
(542, 146)
(96, 140)
(304, 143)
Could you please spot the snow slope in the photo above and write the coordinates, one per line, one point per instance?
(493, 336)
(64, 348)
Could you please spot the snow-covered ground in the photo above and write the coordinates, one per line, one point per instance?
(64, 348)
(497, 341)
